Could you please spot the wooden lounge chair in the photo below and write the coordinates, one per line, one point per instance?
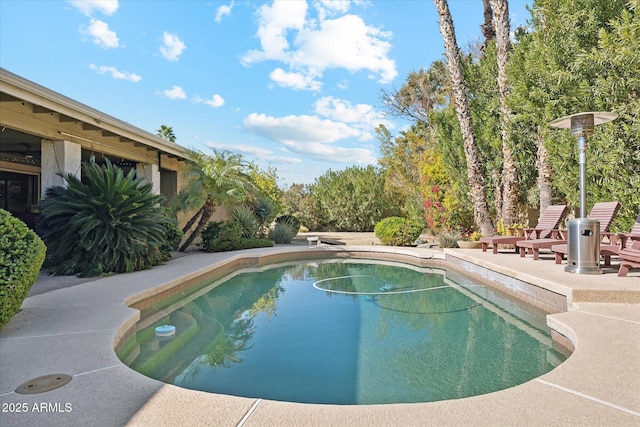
(605, 212)
(616, 241)
(629, 258)
(547, 224)
(534, 245)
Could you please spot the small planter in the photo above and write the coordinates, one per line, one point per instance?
(463, 244)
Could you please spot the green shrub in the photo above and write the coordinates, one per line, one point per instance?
(210, 232)
(264, 211)
(449, 239)
(22, 253)
(106, 223)
(173, 235)
(284, 232)
(227, 236)
(246, 219)
(396, 231)
(290, 219)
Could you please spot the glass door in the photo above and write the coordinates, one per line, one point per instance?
(19, 195)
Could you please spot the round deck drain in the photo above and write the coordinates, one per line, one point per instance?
(43, 384)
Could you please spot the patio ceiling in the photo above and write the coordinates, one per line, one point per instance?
(31, 112)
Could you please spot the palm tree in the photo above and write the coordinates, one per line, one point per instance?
(211, 181)
(475, 177)
(488, 30)
(166, 132)
(509, 205)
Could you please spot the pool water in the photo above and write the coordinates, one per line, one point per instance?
(346, 333)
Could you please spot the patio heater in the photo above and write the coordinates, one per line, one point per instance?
(583, 255)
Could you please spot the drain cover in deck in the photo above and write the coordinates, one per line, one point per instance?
(43, 384)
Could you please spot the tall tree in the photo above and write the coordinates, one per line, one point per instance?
(475, 176)
(488, 30)
(211, 181)
(166, 132)
(422, 92)
(583, 55)
(353, 199)
(509, 184)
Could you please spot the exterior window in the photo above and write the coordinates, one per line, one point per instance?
(19, 195)
(168, 185)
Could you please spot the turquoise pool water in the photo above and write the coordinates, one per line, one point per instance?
(345, 333)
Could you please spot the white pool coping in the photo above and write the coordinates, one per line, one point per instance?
(73, 331)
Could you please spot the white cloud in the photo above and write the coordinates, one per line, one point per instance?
(333, 6)
(359, 116)
(299, 128)
(215, 102)
(101, 34)
(122, 75)
(343, 84)
(309, 47)
(258, 153)
(346, 42)
(172, 47)
(295, 80)
(330, 153)
(275, 21)
(87, 7)
(340, 109)
(176, 92)
(224, 10)
(311, 136)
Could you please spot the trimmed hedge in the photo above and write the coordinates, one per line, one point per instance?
(227, 236)
(22, 253)
(396, 231)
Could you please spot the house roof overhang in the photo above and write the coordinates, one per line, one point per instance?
(73, 119)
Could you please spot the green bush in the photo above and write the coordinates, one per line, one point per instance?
(246, 219)
(22, 253)
(210, 232)
(227, 236)
(396, 231)
(284, 232)
(173, 235)
(290, 219)
(449, 239)
(106, 223)
(264, 211)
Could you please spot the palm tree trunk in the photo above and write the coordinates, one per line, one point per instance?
(475, 176)
(188, 226)
(487, 28)
(509, 171)
(207, 212)
(193, 219)
(544, 174)
(497, 179)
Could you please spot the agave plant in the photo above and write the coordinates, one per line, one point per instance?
(247, 220)
(283, 232)
(106, 223)
(264, 212)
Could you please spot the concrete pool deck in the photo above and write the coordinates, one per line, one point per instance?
(72, 330)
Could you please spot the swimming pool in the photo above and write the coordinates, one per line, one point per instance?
(344, 332)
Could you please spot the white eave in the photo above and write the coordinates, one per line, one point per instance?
(39, 96)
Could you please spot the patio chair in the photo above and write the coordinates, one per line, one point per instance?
(547, 224)
(616, 241)
(629, 258)
(605, 213)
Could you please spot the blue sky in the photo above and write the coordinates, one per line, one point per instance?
(292, 84)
